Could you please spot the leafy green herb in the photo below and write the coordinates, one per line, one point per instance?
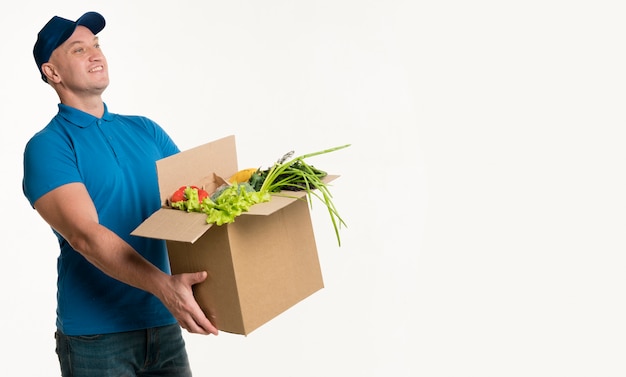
(296, 174)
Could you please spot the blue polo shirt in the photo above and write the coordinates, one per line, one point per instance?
(114, 157)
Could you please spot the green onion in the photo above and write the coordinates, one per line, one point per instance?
(296, 175)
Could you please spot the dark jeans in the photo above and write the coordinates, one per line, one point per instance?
(153, 352)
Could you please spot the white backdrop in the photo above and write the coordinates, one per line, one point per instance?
(483, 191)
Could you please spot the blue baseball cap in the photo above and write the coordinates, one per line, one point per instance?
(57, 31)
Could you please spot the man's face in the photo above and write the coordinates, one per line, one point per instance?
(79, 64)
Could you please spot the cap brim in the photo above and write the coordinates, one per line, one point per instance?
(93, 21)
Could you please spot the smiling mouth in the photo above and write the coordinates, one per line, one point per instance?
(96, 69)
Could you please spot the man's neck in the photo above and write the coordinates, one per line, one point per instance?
(91, 105)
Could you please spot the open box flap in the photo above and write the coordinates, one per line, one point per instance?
(173, 225)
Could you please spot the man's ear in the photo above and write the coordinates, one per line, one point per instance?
(50, 73)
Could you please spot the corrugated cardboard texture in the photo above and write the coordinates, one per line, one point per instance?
(259, 266)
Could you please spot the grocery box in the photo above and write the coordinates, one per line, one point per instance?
(260, 265)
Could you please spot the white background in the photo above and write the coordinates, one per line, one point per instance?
(483, 191)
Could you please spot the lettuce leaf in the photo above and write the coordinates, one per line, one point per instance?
(231, 202)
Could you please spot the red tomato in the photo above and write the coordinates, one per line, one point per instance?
(202, 194)
(179, 195)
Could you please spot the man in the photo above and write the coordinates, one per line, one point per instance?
(91, 176)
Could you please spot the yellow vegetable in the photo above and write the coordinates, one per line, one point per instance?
(242, 176)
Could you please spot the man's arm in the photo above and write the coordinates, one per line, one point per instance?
(71, 212)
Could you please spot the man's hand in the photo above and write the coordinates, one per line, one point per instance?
(178, 298)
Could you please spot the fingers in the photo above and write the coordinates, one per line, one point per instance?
(196, 321)
(188, 312)
(207, 325)
(210, 327)
(199, 325)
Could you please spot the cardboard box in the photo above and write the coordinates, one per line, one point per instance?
(259, 266)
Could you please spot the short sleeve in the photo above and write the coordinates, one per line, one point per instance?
(49, 162)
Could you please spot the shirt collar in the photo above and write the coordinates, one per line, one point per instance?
(81, 118)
